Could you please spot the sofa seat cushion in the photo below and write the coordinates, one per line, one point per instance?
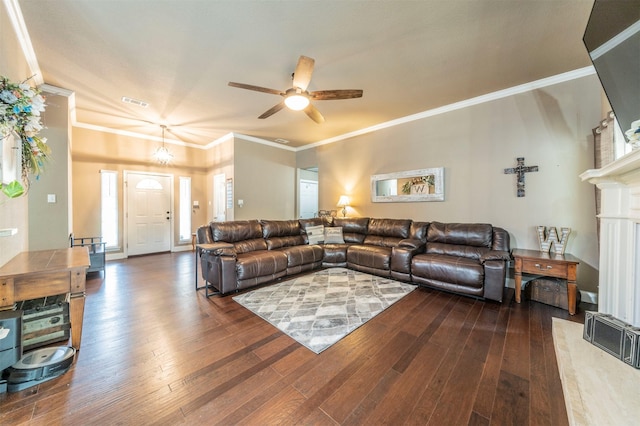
(456, 250)
(377, 240)
(375, 257)
(260, 263)
(335, 254)
(302, 255)
(456, 270)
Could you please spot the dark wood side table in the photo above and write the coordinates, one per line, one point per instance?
(35, 274)
(549, 265)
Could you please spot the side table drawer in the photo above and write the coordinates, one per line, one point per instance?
(542, 267)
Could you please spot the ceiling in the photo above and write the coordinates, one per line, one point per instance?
(178, 56)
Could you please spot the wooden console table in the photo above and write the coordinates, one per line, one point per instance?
(35, 274)
(549, 265)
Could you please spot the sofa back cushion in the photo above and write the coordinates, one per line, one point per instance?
(387, 232)
(314, 222)
(354, 229)
(469, 240)
(245, 235)
(418, 231)
(281, 233)
(501, 240)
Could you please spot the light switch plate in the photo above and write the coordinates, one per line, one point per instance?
(51, 198)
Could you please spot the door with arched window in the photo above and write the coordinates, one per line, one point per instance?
(148, 215)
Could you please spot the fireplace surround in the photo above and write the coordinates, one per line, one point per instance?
(619, 275)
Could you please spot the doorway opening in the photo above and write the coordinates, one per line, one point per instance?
(308, 190)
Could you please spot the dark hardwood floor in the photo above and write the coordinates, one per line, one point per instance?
(156, 352)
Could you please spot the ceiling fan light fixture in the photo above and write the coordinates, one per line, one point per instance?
(296, 101)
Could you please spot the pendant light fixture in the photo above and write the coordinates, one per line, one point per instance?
(162, 154)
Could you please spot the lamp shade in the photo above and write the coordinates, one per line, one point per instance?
(343, 201)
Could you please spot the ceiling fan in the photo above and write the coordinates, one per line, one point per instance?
(297, 97)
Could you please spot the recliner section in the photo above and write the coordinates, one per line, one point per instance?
(468, 259)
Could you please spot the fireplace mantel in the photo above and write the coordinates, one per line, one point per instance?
(625, 170)
(619, 275)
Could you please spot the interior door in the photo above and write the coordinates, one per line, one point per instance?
(308, 198)
(219, 198)
(149, 213)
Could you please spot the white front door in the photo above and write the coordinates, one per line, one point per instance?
(149, 213)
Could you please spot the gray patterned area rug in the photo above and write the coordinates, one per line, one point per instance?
(321, 308)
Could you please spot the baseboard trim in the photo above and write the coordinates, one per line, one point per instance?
(589, 297)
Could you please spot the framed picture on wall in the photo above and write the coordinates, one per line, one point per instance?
(409, 186)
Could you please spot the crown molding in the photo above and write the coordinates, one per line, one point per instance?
(526, 87)
(22, 34)
(134, 135)
(264, 142)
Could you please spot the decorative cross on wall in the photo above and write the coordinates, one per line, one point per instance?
(520, 170)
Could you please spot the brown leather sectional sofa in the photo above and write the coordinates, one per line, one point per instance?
(468, 259)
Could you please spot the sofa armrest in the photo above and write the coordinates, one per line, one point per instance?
(412, 244)
(495, 255)
(402, 254)
(217, 249)
(218, 265)
(495, 276)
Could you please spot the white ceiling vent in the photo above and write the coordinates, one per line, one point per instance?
(132, 101)
(280, 140)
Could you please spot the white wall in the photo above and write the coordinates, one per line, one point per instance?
(51, 223)
(13, 212)
(264, 177)
(550, 127)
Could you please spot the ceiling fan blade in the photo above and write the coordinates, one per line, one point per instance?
(272, 110)
(314, 114)
(256, 88)
(302, 74)
(328, 95)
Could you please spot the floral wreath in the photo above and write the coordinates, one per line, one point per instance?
(429, 180)
(20, 108)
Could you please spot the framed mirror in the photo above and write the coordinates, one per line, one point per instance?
(409, 186)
